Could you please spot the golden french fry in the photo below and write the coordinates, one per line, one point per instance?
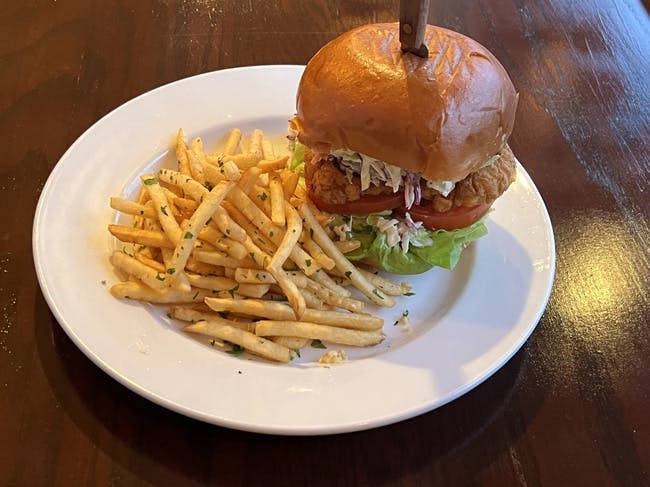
(181, 153)
(346, 246)
(165, 217)
(277, 201)
(273, 165)
(267, 149)
(282, 311)
(197, 160)
(151, 238)
(220, 328)
(243, 161)
(232, 142)
(191, 314)
(253, 276)
(289, 183)
(148, 275)
(293, 343)
(142, 292)
(356, 338)
(255, 143)
(219, 258)
(133, 208)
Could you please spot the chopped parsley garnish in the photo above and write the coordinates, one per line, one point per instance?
(236, 350)
(262, 196)
(317, 344)
(188, 235)
(308, 262)
(375, 291)
(233, 291)
(160, 276)
(171, 270)
(348, 274)
(163, 209)
(150, 181)
(409, 294)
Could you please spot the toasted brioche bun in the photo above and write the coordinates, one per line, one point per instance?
(442, 116)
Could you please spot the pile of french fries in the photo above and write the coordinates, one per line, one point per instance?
(230, 240)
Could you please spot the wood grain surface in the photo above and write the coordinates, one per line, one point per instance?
(571, 408)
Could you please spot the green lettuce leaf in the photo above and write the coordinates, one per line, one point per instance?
(298, 157)
(444, 251)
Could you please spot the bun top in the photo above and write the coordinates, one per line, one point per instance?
(442, 116)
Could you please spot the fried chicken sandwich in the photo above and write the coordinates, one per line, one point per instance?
(409, 153)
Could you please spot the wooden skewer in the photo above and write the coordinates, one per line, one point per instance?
(412, 25)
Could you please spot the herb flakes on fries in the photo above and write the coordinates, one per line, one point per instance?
(230, 242)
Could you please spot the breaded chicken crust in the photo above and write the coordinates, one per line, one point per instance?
(332, 185)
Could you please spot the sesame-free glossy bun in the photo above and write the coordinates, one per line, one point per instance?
(442, 116)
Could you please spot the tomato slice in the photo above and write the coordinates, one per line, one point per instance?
(362, 206)
(457, 217)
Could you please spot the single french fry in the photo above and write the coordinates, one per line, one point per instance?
(273, 165)
(243, 161)
(253, 276)
(140, 236)
(277, 201)
(267, 149)
(132, 208)
(181, 153)
(220, 328)
(232, 142)
(356, 338)
(342, 264)
(346, 246)
(196, 157)
(167, 221)
(217, 283)
(290, 238)
(282, 311)
(194, 315)
(289, 183)
(287, 244)
(293, 343)
(255, 143)
(148, 275)
(218, 258)
(142, 292)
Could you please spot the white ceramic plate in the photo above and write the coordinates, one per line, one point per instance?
(464, 325)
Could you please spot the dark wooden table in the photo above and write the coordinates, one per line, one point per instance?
(571, 408)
